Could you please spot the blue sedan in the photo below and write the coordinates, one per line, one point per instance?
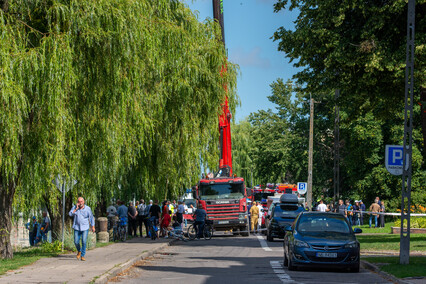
(318, 239)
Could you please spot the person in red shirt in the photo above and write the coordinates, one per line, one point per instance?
(165, 222)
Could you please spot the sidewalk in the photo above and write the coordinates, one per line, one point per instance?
(100, 265)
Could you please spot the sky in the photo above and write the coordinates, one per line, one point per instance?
(249, 26)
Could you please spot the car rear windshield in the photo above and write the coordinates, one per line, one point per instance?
(287, 210)
(323, 224)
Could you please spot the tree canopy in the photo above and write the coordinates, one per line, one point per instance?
(122, 96)
(359, 48)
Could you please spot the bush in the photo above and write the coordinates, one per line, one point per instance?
(415, 222)
(54, 247)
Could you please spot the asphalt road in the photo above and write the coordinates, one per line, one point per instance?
(228, 259)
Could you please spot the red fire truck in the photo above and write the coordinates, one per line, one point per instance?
(223, 195)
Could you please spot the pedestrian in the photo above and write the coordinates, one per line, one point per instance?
(362, 209)
(83, 218)
(122, 213)
(200, 219)
(141, 216)
(112, 213)
(378, 201)
(132, 213)
(249, 205)
(254, 214)
(45, 227)
(179, 212)
(32, 227)
(375, 207)
(322, 207)
(145, 220)
(356, 213)
(155, 211)
(260, 216)
(382, 216)
(165, 222)
(349, 211)
(341, 208)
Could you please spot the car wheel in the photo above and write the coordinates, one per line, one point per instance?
(354, 269)
(291, 267)
(285, 263)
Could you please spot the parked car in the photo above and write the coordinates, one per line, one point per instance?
(318, 239)
(282, 215)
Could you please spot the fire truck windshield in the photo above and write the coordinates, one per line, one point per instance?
(259, 196)
(221, 191)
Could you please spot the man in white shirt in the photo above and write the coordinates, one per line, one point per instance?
(322, 207)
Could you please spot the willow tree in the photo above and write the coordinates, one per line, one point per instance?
(100, 91)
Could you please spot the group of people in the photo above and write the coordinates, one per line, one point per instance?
(38, 231)
(355, 213)
(169, 216)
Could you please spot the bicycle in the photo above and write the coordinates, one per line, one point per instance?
(207, 232)
(120, 232)
(152, 228)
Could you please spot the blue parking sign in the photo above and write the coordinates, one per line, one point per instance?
(302, 187)
(394, 159)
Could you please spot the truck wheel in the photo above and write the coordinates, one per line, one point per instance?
(235, 231)
(246, 231)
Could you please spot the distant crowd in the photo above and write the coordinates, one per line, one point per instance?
(355, 213)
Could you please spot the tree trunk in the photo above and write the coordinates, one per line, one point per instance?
(423, 118)
(55, 219)
(6, 199)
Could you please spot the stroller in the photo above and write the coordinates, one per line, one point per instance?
(153, 228)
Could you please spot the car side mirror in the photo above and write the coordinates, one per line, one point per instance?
(357, 231)
(288, 229)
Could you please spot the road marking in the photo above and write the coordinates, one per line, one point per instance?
(279, 271)
(263, 243)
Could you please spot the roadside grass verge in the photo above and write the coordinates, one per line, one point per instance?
(24, 257)
(416, 268)
(391, 242)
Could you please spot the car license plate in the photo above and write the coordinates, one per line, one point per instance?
(327, 254)
(223, 222)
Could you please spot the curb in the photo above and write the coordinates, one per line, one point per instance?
(102, 279)
(385, 275)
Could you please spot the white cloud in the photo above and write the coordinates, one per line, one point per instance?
(252, 58)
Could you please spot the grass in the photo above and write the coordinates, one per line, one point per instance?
(366, 229)
(390, 242)
(416, 268)
(22, 258)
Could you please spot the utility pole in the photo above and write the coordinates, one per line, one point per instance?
(311, 150)
(404, 247)
(336, 167)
